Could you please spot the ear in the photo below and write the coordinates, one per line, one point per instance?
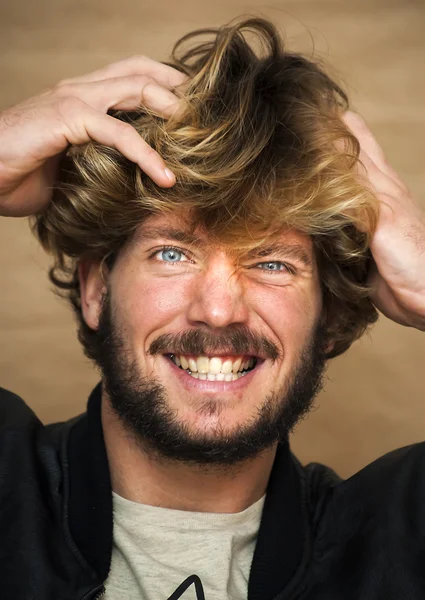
(330, 342)
(329, 348)
(92, 290)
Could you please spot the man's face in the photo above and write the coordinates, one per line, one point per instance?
(215, 348)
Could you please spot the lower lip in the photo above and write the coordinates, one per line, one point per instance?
(203, 385)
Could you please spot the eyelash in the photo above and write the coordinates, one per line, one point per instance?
(165, 248)
(288, 267)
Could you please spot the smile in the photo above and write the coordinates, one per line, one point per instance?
(215, 368)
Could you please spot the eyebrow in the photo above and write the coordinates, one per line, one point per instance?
(281, 250)
(169, 233)
(291, 251)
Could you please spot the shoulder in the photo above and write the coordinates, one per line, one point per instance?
(33, 504)
(21, 430)
(380, 503)
(397, 477)
(32, 455)
(24, 439)
(14, 412)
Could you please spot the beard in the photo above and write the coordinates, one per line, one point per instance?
(141, 402)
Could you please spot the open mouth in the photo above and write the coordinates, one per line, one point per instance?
(215, 368)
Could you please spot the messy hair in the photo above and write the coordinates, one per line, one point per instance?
(258, 147)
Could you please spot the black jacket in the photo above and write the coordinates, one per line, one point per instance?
(320, 538)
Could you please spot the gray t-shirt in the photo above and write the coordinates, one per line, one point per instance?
(157, 549)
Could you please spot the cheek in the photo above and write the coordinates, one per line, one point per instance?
(146, 306)
(291, 314)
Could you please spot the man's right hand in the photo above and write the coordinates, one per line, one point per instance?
(35, 133)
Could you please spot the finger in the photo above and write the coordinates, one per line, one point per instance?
(135, 65)
(383, 298)
(369, 144)
(380, 182)
(90, 124)
(123, 93)
(358, 127)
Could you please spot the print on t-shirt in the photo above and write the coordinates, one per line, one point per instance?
(185, 587)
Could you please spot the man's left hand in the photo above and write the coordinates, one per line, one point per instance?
(398, 245)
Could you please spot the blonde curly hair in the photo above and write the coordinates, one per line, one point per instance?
(259, 146)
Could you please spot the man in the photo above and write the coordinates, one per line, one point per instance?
(210, 292)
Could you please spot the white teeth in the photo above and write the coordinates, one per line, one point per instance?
(226, 366)
(236, 365)
(203, 364)
(192, 365)
(215, 365)
(216, 377)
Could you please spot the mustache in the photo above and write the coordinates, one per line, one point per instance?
(234, 340)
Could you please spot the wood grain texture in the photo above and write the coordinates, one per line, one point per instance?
(374, 400)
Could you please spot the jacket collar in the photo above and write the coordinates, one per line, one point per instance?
(90, 495)
(282, 540)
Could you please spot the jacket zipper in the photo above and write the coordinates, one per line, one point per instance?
(101, 593)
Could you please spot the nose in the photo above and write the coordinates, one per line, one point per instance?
(218, 298)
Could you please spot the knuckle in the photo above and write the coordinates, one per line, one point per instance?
(149, 152)
(125, 130)
(144, 81)
(64, 88)
(63, 82)
(68, 105)
(139, 58)
(127, 134)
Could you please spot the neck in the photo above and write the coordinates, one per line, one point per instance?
(141, 476)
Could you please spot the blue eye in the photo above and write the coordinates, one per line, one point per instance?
(170, 255)
(273, 266)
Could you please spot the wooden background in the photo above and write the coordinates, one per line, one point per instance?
(375, 396)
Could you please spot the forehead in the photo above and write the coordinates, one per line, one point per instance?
(178, 229)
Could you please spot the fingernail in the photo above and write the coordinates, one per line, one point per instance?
(170, 175)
